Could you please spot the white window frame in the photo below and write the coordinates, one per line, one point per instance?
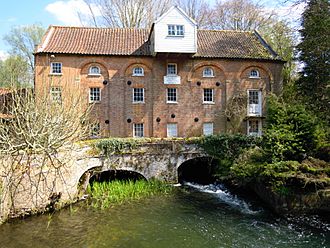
(259, 127)
(56, 94)
(92, 73)
(95, 130)
(176, 69)
(207, 101)
(168, 96)
(136, 133)
(56, 66)
(134, 95)
(175, 30)
(254, 73)
(206, 74)
(208, 128)
(254, 109)
(94, 96)
(172, 130)
(138, 74)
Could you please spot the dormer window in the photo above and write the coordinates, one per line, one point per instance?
(208, 72)
(175, 30)
(94, 70)
(138, 71)
(171, 69)
(254, 74)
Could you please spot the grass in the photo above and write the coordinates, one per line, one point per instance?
(105, 194)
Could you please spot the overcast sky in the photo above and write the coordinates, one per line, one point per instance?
(52, 12)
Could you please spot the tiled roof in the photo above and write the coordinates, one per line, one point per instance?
(4, 91)
(232, 44)
(123, 41)
(95, 41)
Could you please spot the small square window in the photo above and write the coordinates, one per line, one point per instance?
(138, 130)
(138, 71)
(208, 96)
(175, 30)
(208, 128)
(208, 72)
(172, 130)
(56, 68)
(56, 94)
(94, 94)
(138, 95)
(171, 95)
(171, 69)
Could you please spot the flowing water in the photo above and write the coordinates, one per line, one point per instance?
(193, 216)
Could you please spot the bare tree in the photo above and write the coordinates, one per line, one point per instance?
(236, 111)
(199, 10)
(239, 15)
(128, 13)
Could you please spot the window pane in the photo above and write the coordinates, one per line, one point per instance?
(254, 73)
(207, 72)
(171, 69)
(138, 95)
(56, 67)
(172, 130)
(95, 131)
(138, 71)
(56, 94)
(94, 94)
(179, 30)
(253, 97)
(208, 128)
(171, 30)
(138, 130)
(208, 95)
(254, 127)
(94, 70)
(171, 95)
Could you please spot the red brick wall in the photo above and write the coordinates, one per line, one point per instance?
(116, 97)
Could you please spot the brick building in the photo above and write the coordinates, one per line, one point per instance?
(170, 80)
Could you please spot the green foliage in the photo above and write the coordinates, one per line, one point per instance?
(292, 131)
(227, 146)
(314, 53)
(111, 146)
(14, 72)
(105, 194)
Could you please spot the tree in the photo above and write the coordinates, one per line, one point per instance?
(14, 71)
(239, 15)
(198, 10)
(315, 54)
(23, 40)
(129, 13)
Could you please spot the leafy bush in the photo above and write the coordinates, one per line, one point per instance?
(292, 133)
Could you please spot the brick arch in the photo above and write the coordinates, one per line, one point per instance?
(262, 67)
(126, 67)
(99, 62)
(205, 63)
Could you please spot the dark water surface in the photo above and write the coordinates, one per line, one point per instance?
(194, 216)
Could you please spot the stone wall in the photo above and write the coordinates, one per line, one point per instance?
(37, 186)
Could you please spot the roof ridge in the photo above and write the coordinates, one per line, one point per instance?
(80, 27)
(227, 30)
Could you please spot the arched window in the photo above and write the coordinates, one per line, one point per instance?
(94, 70)
(254, 74)
(208, 72)
(138, 71)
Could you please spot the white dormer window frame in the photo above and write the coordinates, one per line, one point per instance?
(172, 69)
(254, 73)
(175, 30)
(94, 71)
(138, 71)
(208, 72)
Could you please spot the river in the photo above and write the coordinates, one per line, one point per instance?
(193, 216)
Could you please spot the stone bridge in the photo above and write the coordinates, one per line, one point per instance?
(39, 186)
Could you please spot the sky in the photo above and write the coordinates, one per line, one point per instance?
(64, 12)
